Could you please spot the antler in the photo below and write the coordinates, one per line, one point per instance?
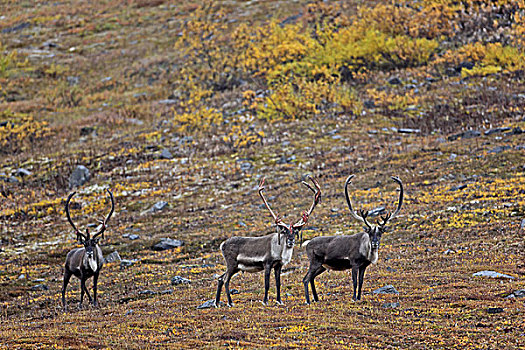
(105, 221)
(79, 234)
(389, 216)
(277, 219)
(364, 214)
(317, 200)
(352, 212)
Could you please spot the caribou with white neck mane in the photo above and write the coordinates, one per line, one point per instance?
(273, 251)
(85, 262)
(354, 252)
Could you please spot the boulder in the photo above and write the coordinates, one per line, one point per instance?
(167, 243)
(79, 176)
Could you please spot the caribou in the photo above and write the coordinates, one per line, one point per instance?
(272, 251)
(85, 262)
(345, 252)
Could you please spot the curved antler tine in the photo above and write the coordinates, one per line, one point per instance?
(278, 221)
(68, 215)
(316, 200)
(398, 209)
(105, 221)
(352, 212)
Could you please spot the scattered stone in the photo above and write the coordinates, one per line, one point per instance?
(22, 172)
(517, 294)
(453, 156)
(234, 291)
(209, 304)
(369, 104)
(135, 121)
(496, 130)
(391, 305)
(242, 223)
(166, 291)
(466, 65)
(133, 237)
(449, 251)
(409, 131)
(79, 177)
(500, 149)
(129, 312)
(458, 187)
(515, 131)
(87, 130)
(388, 289)
(390, 269)
(167, 102)
(394, 81)
(39, 287)
(22, 277)
(167, 243)
(492, 274)
(127, 263)
(11, 179)
(469, 134)
(72, 80)
(522, 225)
(147, 292)
(159, 206)
(166, 154)
(175, 281)
(376, 211)
(246, 166)
(16, 28)
(112, 257)
(495, 310)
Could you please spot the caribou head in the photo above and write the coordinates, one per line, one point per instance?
(375, 231)
(293, 230)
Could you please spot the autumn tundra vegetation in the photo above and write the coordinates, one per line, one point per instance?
(182, 108)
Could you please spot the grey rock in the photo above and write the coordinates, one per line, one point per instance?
(469, 134)
(72, 80)
(492, 274)
(458, 187)
(127, 263)
(234, 291)
(16, 28)
(388, 289)
(112, 257)
(499, 149)
(39, 287)
(79, 177)
(133, 237)
(175, 281)
(159, 206)
(147, 292)
(167, 243)
(515, 131)
(409, 131)
(496, 130)
(166, 154)
(209, 304)
(22, 172)
(135, 121)
(517, 294)
(449, 251)
(394, 81)
(12, 179)
(391, 305)
(377, 211)
(246, 166)
(167, 102)
(495, 310)
(522, 225)
(453, 156)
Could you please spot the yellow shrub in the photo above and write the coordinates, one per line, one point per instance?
(19, 131)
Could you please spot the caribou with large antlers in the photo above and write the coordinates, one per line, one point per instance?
(273, 251)
(85, 262)
(354, 252)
